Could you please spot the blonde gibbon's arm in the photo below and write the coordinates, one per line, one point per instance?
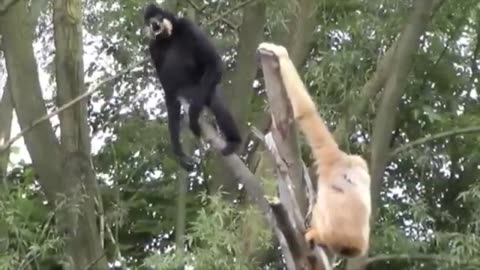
(340, 216)
(305, 112)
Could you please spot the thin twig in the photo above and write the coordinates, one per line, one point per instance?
(432, 257)
(40, 120)
(94, 262)
(46, 117)
(222, 18)
(235, 8)
(197, 8)
(451, 133)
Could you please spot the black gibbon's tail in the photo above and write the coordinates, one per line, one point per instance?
(227, 125)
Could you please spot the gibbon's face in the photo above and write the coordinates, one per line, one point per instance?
(157, 25)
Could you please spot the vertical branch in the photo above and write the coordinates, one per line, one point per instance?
(238, 84)
(78, 220)
(6, 111)
(27, 96)
(384, 122)
(280, 146)
(395, 87)
(297, 40)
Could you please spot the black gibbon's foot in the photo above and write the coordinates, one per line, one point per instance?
(230, 148)
(187, 163)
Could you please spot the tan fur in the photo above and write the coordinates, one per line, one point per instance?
(341, 214)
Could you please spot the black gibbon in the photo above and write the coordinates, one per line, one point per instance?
(189, 68)
(341, 214)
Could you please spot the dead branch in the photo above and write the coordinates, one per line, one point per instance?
(253, 188)
(420, 257)
(283, 146)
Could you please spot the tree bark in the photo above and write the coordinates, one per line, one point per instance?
(27, 97)
(301, 21)
(239, 88)
(6, 111)
(82, 232)
(6, 108)
(65, 172)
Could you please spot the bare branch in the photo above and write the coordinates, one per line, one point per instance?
(235, 8)
(384, 122)
(476, 54)
(441, 135)
(283, 146)
(416, 257)
(291, 234)
(6, 111)
(252, 186)
(395, 86)
(223, 19)
(374, 85)
(46, 117)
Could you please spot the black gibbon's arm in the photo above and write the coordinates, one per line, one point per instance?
(207, 55)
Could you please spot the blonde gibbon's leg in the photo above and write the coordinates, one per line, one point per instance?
(340, 216)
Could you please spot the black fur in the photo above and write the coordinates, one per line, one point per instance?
(189, 66)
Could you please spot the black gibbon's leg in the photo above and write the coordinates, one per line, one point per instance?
(173, 111)
(226, 124)
(196, 103)
(194, 111)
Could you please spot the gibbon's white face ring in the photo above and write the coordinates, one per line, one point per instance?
(159, 28)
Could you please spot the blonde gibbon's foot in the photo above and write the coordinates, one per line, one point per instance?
(311, 237)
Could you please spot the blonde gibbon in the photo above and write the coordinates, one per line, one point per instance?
(341, 213)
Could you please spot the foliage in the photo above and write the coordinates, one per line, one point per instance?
(428, 215)
(29, 225)
(215, 239)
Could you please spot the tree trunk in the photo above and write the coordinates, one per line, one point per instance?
(6, 107)
(6, 111)
(65, 171)
(239, 88)
(84, 244)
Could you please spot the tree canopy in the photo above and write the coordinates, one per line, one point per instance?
(91, 183)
